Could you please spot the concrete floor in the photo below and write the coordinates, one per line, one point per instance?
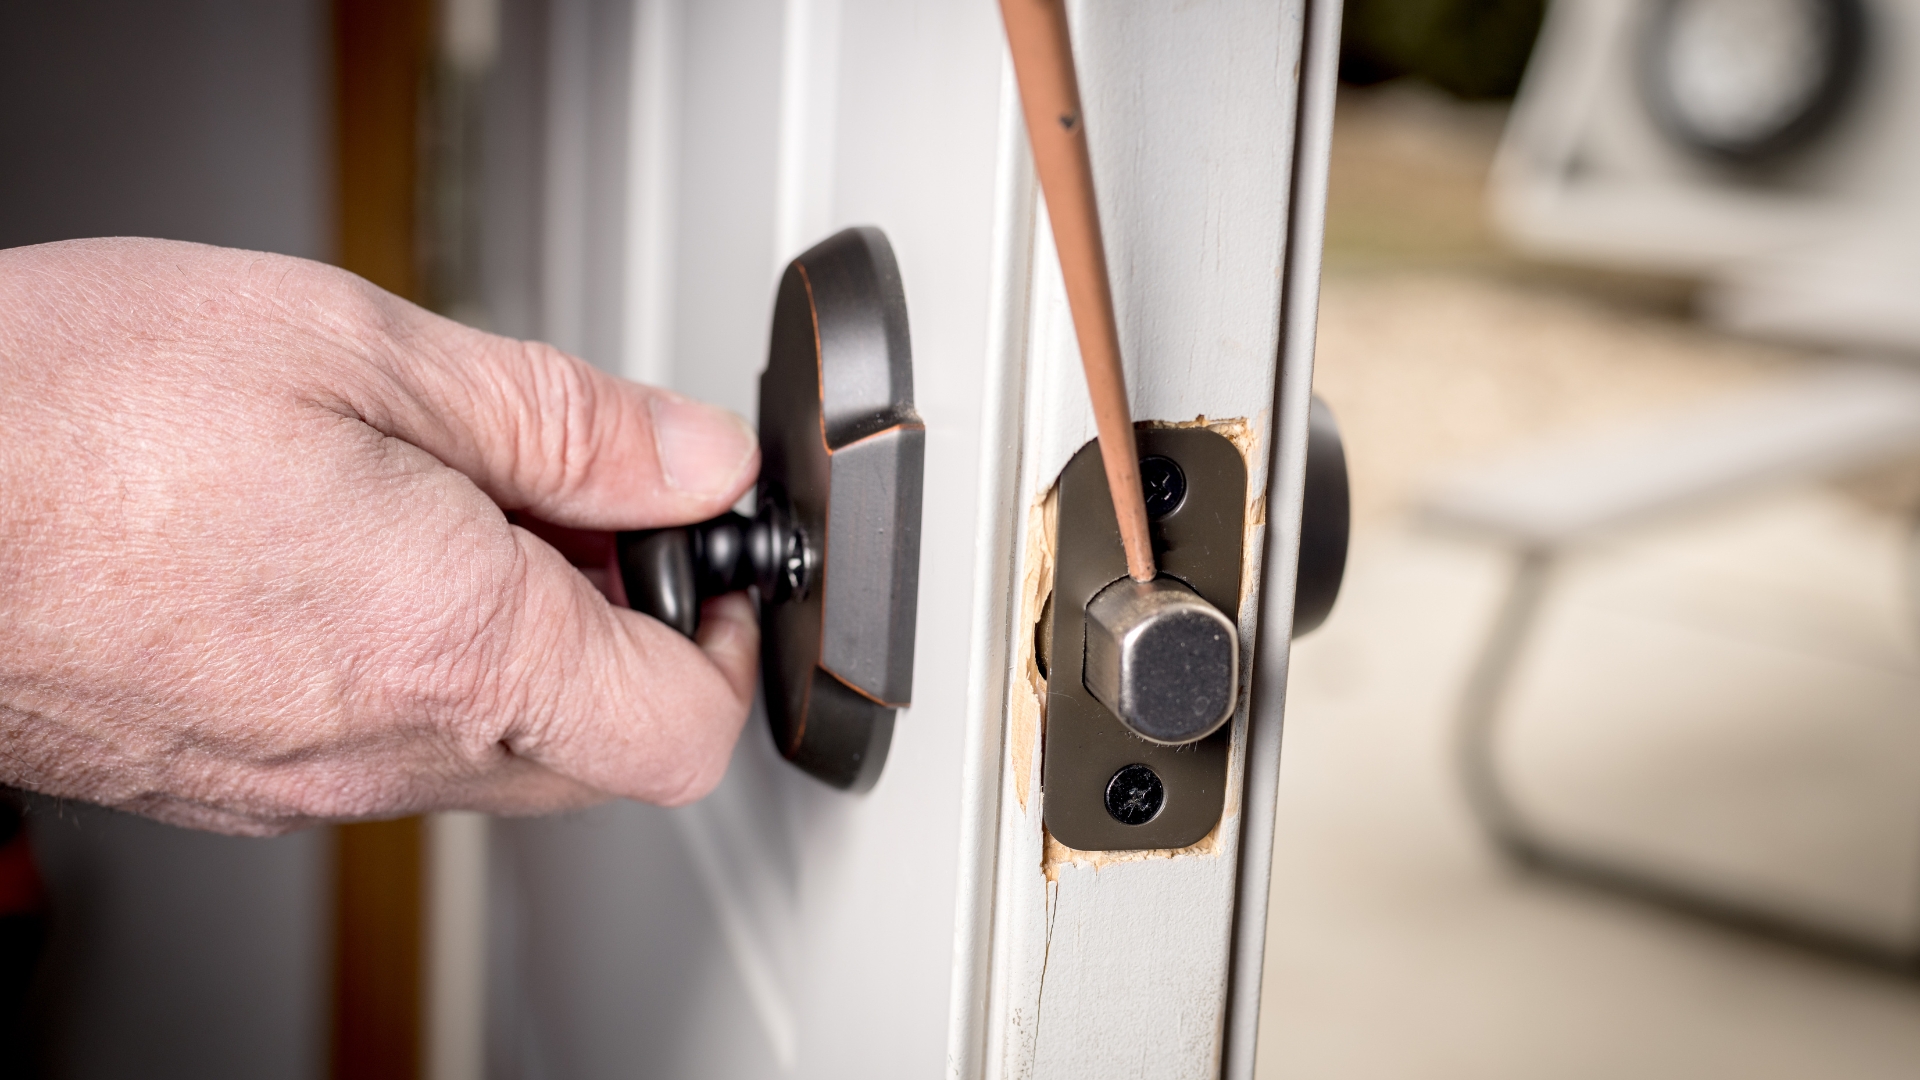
(1733, 697)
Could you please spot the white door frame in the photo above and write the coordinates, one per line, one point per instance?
(1120, 963)
(929, 925)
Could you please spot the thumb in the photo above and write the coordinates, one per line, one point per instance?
(542, 431)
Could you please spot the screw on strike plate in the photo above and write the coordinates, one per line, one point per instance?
(1164, 484)
(1135, 795)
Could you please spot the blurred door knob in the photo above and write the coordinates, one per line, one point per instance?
(1325, 518)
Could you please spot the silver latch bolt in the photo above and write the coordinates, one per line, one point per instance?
(1165, 661)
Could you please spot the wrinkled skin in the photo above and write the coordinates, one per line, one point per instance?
(255, 571)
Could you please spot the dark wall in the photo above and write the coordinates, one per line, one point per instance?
(173, 954)
(178, 954)
(192, 119)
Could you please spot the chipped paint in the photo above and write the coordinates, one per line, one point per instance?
(1057, 855)
(1235, 428)
(1026, 709)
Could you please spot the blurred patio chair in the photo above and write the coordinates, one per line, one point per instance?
(1543, 505)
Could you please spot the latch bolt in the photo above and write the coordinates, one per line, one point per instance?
(1163, 660)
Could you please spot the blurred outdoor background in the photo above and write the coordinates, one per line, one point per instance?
(1715, 711)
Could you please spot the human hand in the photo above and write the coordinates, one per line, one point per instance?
(255, 573)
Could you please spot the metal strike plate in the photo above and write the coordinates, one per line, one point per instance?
(833, 548)
(1106, 788)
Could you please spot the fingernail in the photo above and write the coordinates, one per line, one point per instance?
(702, 449)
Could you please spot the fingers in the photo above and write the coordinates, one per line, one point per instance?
(730, 636)
(618, 702)
(591, 700)
(539, 430)
(519, 787)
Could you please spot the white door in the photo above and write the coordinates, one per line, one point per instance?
(929, 926)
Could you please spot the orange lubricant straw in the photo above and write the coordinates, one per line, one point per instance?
(1050, 93)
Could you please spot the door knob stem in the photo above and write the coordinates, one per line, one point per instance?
(669, 573)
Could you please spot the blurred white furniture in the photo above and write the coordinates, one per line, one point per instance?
(1625, 149)
(1546, 503)
(1763, 148)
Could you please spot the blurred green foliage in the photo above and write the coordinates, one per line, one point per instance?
(1470, 48)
